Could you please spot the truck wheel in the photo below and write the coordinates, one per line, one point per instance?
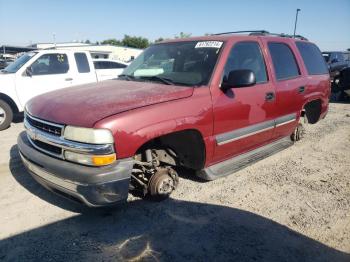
(6, 115)
(298, 133)
(163, 183)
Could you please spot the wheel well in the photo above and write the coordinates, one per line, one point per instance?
(188, 145)
(10, 102)
(312, 111)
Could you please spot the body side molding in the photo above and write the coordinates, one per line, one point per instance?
(236, 163)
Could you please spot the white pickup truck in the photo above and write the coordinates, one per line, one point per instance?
(38, 72)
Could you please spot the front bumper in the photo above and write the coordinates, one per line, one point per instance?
(93, 186)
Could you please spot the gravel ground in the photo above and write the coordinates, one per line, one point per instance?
(293, 206)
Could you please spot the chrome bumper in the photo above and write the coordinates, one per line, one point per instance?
(89, 185)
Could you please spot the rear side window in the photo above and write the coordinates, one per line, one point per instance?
(116, 65)
(284, 61)
(313, 59)
(246, 55)
(82, 62)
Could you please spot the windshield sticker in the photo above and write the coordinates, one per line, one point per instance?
(209, 44)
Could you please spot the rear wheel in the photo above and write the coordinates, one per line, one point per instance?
(6, 115)
(299, 131)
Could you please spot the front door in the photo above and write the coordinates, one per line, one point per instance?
(49, 72)
(243, 117)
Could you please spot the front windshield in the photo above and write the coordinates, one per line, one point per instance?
(183, 63)
(19, 62)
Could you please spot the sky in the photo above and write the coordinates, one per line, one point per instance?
(22, 22)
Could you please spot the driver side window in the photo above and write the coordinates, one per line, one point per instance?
(246, 55)
(50, 64)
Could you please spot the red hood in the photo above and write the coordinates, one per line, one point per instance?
(86, 104)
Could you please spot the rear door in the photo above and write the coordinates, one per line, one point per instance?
(290, 83)
(243, 117)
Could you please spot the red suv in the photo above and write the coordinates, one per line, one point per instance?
(210, 104)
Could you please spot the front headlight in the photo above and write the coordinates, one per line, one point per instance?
(88, 135)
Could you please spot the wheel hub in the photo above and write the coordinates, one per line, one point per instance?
(166, 186)
(2, 115)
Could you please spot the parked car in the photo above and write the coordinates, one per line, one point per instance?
(336, 61)
(5, 62)
(38, 72)
(338, 64)
(212, 104)
(106, 67)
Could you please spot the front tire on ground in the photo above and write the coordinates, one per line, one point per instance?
(6, 115)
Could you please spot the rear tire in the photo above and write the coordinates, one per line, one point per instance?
(299, 132)
(6, 115)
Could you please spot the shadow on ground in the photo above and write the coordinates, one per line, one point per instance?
(167, 231)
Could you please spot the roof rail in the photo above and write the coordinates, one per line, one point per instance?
(244, 31)
(263, 32)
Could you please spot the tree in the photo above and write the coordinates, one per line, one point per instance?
(349, 49)
(111, 41)
(87, 41)
(183, 35)
(135, 42)
(160, 39)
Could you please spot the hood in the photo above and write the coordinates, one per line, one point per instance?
(86, 104)
(6, 77)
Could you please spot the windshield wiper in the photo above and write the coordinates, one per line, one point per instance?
(166, 81)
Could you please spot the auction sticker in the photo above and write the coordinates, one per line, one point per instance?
(209, 44)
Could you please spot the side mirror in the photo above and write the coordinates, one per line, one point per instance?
(29, 71)
(239, 78)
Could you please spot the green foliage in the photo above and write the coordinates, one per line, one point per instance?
(111, 41)
(183, 35)
(160, 39)
(136, 42)
(129, 41)
(87, 41)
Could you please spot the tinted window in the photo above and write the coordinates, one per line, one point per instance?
(347, 56)
(116, 65)
(82, 62)
(246, 55)
(102, 65)
(312, 58)
(283, 61)
(97, 65)
(50, 64)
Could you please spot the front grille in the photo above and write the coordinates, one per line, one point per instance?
(47, 147)
(45, 126)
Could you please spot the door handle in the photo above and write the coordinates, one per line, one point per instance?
(69, 79)
(301, 89)
(270, 96)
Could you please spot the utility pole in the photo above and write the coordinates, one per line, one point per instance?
(296, 21)
(54, 39)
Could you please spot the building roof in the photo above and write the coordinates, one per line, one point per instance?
(8, 49)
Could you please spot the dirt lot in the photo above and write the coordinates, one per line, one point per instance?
(293, 206)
